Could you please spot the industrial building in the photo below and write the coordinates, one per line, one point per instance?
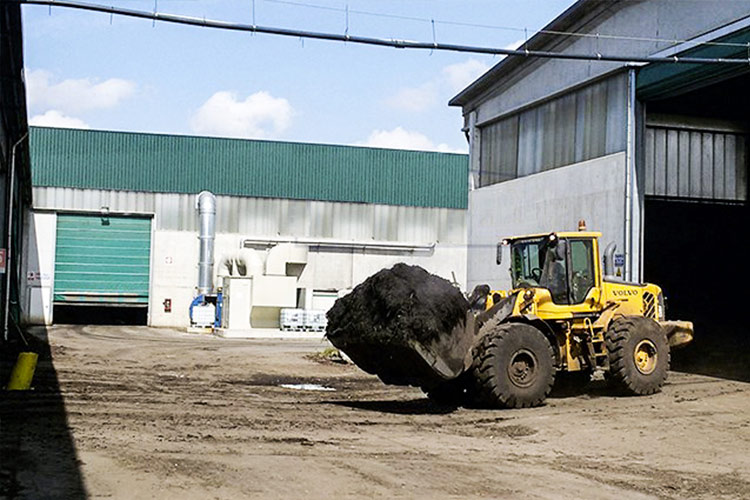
(653, 155)
(15, 182)
(114, 223)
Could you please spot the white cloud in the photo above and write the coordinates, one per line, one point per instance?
(415, 98)
(54, 118)
(460, 75)
(400, 138)
(444, 148)
(451, 79)
(515, 44)
(259, 116)
(75, 95)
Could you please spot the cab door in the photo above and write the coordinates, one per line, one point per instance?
(582, 273)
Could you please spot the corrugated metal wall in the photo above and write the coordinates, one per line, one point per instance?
(690, 163)
(181, 164)
(259, 217)
(582, 125)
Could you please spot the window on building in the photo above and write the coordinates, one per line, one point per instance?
(694, 163)
(581, 125)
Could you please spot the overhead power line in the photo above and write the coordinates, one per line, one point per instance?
(600, 36)
(381, 42)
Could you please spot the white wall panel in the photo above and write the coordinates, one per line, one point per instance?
(549, 201)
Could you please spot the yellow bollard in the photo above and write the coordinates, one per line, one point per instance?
(23, 372)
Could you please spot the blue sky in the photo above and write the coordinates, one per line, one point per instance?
(87, 70)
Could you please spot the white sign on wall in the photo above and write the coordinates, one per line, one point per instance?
(36, 278)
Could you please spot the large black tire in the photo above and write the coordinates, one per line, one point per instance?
(514, 367)
(638, 354)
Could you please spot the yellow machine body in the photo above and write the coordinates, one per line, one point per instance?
(579, 327)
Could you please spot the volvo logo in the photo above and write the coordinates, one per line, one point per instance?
(625, 293)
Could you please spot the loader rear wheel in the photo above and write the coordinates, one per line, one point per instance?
(638, 355)
(513, 367)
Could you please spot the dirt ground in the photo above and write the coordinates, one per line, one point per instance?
(133, 412)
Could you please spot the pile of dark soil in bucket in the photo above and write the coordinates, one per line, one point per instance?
(378, 322)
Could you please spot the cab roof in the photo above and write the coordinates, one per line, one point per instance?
(560, 234)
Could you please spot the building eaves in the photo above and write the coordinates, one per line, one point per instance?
(575, 16)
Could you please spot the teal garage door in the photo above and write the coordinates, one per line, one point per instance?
(102, 260)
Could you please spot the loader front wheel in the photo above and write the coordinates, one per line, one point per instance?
(638, 355)
(513, 367)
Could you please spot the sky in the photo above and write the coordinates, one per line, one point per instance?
(93, 70)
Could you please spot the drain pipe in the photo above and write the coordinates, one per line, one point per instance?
(630, 179)
(206, 205)
(9, 244)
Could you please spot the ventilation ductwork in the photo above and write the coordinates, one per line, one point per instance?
(244, 262)
(206, 205)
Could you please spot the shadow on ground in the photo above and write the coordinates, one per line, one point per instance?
(37, 454)
(420, 406)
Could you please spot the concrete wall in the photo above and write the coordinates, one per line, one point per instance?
(175, 246)
(663, 19)
(38, 270)
(549, 201)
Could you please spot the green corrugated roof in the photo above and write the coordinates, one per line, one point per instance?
(92, 159)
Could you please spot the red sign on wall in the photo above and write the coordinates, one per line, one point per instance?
(2, 260)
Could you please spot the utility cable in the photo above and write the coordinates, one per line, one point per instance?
(382, 42)
(506, 28)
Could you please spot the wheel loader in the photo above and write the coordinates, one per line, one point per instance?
(565, 315)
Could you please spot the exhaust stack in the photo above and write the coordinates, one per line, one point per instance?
(206, 204)
(609, 260)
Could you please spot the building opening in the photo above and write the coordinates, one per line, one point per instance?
(99, 315)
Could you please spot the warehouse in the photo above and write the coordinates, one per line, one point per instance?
(653, 155)
(114, 230)
(15, 186)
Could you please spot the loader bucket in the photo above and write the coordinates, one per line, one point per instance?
(405, 325)
(408, 361)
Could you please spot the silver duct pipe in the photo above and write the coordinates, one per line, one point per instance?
(609, 259)
(206, 204)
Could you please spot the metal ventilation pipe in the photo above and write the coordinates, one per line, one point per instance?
(609, 260)
(206, 204)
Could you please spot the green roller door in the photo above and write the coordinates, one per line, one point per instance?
(102, 259)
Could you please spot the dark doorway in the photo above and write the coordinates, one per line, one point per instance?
(100, 315)
(697, 253)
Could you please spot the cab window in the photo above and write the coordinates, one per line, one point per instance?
(582, 269)
(526, 268)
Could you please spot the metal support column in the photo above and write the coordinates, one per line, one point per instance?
(633, 232)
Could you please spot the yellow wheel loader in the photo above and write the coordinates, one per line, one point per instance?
(566, 315)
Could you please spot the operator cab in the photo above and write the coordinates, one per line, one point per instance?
(563, 263)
